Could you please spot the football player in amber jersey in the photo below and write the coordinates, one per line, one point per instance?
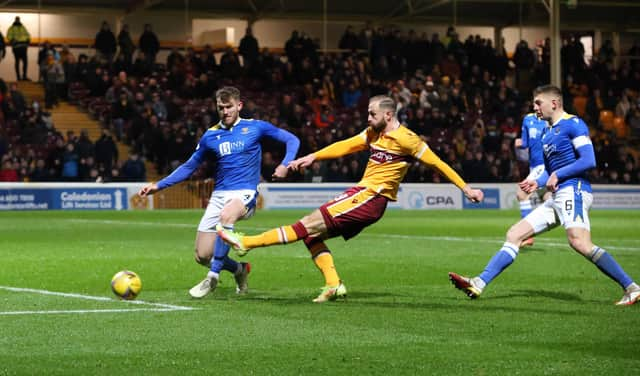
(392, 147)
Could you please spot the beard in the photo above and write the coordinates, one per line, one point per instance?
(379, 126)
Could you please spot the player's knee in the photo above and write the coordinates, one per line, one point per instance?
(522, 195)
(580, 245)
(514, 236)
(202, 259)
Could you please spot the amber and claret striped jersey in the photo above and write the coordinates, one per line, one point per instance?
(391, 154)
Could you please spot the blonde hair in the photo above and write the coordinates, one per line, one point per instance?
(227, 93)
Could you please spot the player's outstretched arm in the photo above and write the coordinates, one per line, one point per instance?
(302, 162)
(148, 189)
(280, 172)
(474, 195)
(528, 186)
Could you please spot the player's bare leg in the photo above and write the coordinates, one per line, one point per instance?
(208, 244)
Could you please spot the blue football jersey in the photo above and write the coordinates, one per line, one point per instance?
(532, 128)
(568, 152)
(238, 154)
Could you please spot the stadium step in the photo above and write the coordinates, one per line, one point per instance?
(67, 117)
(32, 91)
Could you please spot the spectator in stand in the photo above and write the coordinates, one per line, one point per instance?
(16, 101)
(204, 87)
(19, 38)
(249, 50)
(230, 65)
(3, 47)
(158, 106)
(122, 111)
(149, 45)
(133, 168)
(40, 172)
(70, 163)
(294, 49)
(84, 146)
(351, 96)
(126, 46)
(524, 60)
(606, 53)
(325, 117)
(8, 173)
(43, 53)
(54, 78)
(141, 66)
(105, 43)
(624, 105)
(175, 59)
(81, 70)
(349, 40)
(106, 152)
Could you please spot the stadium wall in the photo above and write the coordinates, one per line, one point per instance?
(123, 196)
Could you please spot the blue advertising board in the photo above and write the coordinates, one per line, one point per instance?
(491, 200)
(63, 198)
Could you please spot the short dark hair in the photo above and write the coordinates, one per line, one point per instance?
(226, 93)
(385, 103)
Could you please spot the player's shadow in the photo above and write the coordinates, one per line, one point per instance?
(564, 296)
(394, 301)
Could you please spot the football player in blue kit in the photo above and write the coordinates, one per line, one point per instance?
(531, 141)
(568, 156)
(234, 143)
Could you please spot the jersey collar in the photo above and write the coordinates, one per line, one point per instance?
(563, 116)
(225, 127)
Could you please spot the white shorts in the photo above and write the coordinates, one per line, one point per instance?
(567, 207)
(219, 199)
(535, 172)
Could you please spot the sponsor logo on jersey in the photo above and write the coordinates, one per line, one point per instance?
(548, 149)
(382, 156)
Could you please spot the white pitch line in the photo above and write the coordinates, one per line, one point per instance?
(497, 241)
(162, 307)
(82, 311)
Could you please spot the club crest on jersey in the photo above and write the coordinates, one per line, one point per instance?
(244, 130)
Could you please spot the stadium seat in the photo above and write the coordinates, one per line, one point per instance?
(580, 105)
(620, 127)
(606, 120)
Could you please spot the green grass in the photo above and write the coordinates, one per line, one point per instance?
(550, 313)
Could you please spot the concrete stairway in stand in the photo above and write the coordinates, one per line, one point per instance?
(67, 117)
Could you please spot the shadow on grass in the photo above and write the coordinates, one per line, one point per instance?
(556, 295)
(376, 299)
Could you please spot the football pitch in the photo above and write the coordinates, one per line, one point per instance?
(552, 312)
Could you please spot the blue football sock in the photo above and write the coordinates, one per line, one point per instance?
(221, 260)
(525, 208)
(499, 262)
(608, 265)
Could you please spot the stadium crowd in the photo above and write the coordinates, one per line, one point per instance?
(464, 97)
